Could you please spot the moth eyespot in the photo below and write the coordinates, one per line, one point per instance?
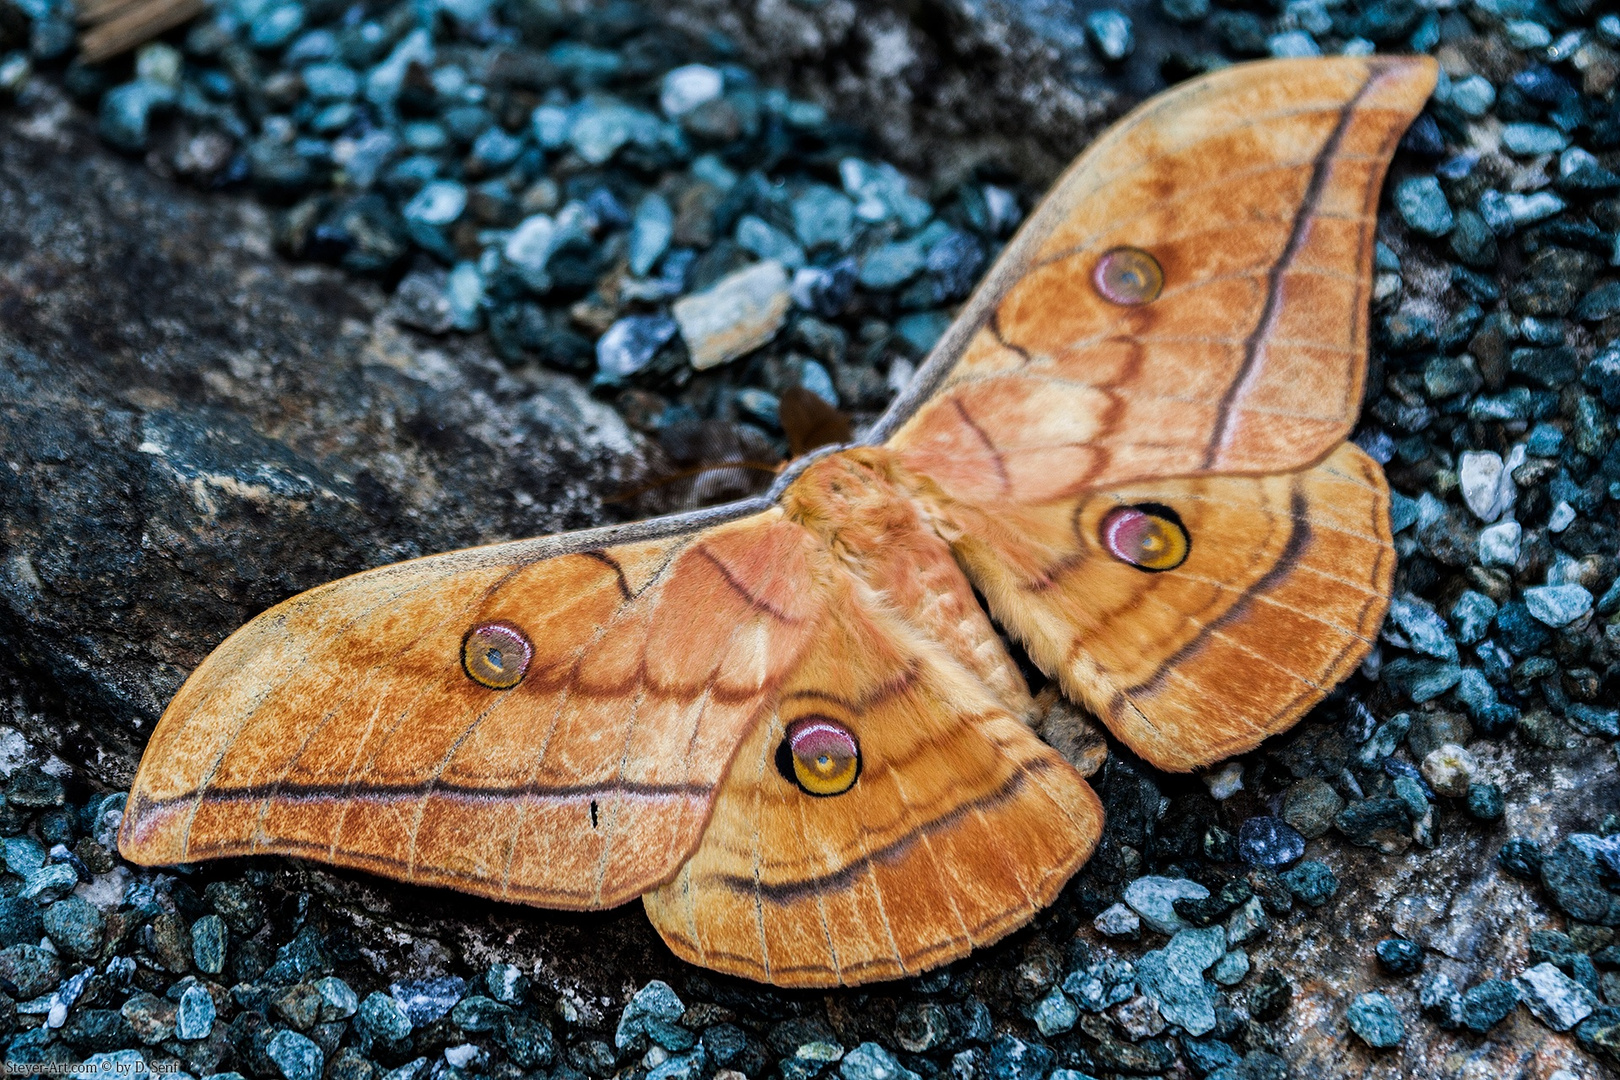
(496, 655)
(819, 755)
(1149, 537)
(1128, 276)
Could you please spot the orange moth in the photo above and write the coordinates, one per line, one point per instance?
(787, 723)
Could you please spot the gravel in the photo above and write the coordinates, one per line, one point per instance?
(1556, 999)
(1153, 898)
(1487, 1004)
(1399, 956)
(1374, 1018)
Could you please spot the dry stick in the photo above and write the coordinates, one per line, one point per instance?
(124, 24)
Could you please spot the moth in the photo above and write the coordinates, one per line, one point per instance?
(787, 723)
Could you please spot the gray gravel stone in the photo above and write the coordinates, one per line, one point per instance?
(1173, 978)
(1486, 1004)
(1268, 841)
(31, 969)
(1055, 1014)
(1309, 807)
(1424, 629)
(1230, 969)
(1423, 206)
(1118, 920)
(650, 233)
(656, 1001)
(421, 1000)
(1153, 898)
(735, 316)
(381, 1019)
(75, 926)
(869, 1061)
(1375, 1019)
(1474, 95)
(49, 883)
(685, 88)
(1311, 882)
(1556, 999)
(630, 344)
(1248, 922)
(194, 1017)
(208, 941)
(1111, 34)
(338, 1000)
(1558, 605)
(527, 1041)
(295, 1056)
(1450, 769)
(151, 1017)
(1530, 140)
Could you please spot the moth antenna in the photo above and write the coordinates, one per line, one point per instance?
(696, 470)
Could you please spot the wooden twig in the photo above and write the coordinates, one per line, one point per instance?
(121, 25)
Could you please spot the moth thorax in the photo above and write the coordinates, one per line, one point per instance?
(850, 498)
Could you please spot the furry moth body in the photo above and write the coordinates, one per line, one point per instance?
(787, 723)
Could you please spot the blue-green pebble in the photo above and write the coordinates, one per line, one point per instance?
(1375, 1018)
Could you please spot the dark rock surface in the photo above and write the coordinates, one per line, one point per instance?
(193, 430)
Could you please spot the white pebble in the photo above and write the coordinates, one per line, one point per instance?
(1118, 921)
(1486, 486)
(735, 316)
(1499, 544)
(159, 63)
(1449, 769)
(461, 1056)
(1226, 781)
(685, 88)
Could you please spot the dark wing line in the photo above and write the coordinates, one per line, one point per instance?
(280, 625)
(1009, 268)
(1299, 539)
(371, 676)
(618, 571)
(340, 792)
(984, 439)
(1288, 562)
(1268, 315)
(855, 706)
(741, 588)
(789, 891)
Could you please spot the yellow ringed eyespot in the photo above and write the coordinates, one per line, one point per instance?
(1128, 276)
(496, 655)
(820, 755)
(1149, 537)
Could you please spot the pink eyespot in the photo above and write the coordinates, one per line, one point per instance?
(1128, 276)
(825, 756)
(496, 655)
(1149, 537)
